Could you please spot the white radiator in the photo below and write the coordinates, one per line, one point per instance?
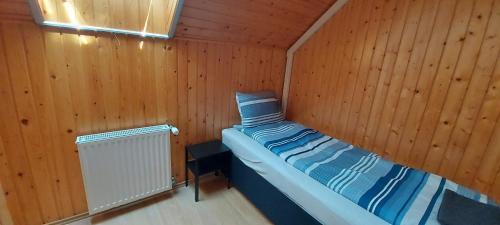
(124, 166)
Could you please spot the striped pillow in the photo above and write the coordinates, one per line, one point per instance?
(258, 108)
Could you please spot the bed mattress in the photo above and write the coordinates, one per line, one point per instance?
(323, 204)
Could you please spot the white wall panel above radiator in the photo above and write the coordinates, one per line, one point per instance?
(124, 166)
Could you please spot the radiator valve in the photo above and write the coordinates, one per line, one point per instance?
(174, 130)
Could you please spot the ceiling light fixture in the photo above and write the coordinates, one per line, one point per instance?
(75, 24)
(141, 44)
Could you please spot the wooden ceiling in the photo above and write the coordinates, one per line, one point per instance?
(15, 10)
(269, 22)
(265, 22)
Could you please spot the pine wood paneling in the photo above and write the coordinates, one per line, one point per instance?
(415, 81)
(267, 22)
(277, 23)
(55, 86)
(16, 10)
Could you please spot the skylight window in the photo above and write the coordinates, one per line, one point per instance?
(143, 18)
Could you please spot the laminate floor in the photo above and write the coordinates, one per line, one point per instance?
(217, 206)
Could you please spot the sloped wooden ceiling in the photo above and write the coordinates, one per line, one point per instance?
(270, 22)
(265, 22)
(15, 10)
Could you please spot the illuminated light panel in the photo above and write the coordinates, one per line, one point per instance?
(141, 44)
(104, 29)
(75, 24)
(70, 11)
(49, 8)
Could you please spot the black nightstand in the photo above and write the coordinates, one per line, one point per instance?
(207, 157)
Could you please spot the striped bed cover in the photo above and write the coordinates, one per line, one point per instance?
(395, 193)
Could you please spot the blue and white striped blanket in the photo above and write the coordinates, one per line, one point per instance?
(395, 193)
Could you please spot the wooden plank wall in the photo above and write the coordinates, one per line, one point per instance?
(416, 81)
(55, 86)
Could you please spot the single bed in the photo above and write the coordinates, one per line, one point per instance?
(297, 175)
(324, 205)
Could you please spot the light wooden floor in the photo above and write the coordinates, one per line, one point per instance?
(217, 205)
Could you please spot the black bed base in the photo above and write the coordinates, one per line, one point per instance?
(277, 207)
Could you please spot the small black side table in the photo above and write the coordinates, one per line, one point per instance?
(207, 157)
